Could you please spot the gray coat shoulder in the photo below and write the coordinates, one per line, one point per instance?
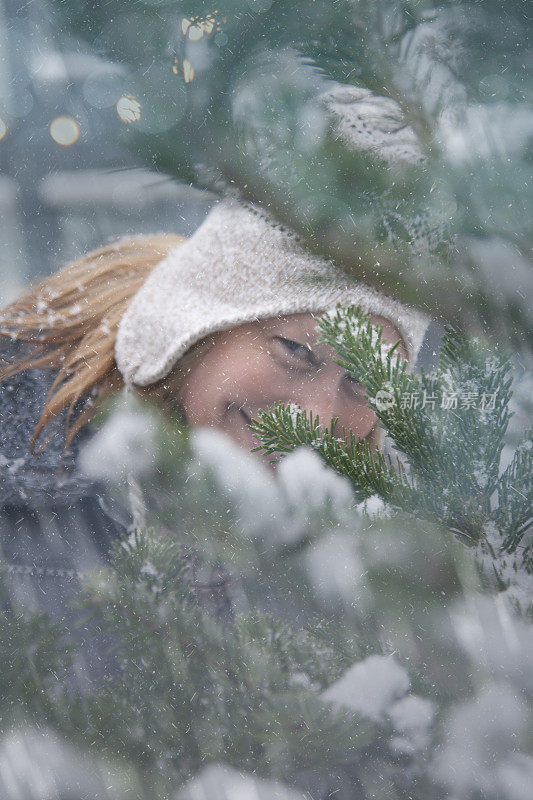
(55, 524)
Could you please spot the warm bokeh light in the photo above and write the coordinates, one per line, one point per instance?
(3, 128)
(64, 130)
(196, 27)
(188, 71)
(195, 32)
(128, 109)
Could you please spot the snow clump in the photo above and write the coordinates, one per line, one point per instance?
(308, 484)
(125, 444)
(411, 718)
(370, 687)
(285, 502)
(481, 738)
(221, 782)
(241, 477)
(334, 567)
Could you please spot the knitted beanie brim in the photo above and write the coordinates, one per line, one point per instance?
(240, 265)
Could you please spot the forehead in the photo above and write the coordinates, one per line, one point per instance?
(305, 325)
(301, 327)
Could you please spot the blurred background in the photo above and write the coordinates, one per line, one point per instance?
(234, 101)
(66, 186)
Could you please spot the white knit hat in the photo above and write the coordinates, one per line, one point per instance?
(240, 265)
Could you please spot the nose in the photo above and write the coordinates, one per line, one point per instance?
(328, 398)
(321, 400)
(319, 394)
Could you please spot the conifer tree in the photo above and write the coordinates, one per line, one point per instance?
(379, 687)
(449, 425)
(397, 663)
(232, 97)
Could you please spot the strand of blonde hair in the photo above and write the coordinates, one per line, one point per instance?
(70, 321)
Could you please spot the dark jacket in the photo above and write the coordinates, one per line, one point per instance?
(53, 529)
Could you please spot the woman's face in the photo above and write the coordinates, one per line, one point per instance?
(260, 363)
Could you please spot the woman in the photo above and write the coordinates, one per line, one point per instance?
(217, 326)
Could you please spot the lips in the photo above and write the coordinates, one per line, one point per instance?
(244, 435)
(249, 440)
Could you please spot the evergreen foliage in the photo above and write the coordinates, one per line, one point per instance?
(448, 425)
(189, 692)
(35, 662)
(402, 639)
(230, 98)
(405, 669)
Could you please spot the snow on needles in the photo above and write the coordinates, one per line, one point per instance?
(287, 501)
(125, 444)
(481, 738)
(240, 476)
(370, 687)
(377, 688)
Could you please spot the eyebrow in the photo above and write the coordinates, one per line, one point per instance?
(320, 352)
(275, 327)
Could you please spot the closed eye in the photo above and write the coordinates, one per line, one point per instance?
(355, 388)
(296, 348)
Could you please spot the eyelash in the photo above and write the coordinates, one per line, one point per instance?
(299, 357)
(355, 387)
(297, 346)
(287, 343)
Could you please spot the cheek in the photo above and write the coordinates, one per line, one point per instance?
(360, 420)
(200, 395)
(219, 380)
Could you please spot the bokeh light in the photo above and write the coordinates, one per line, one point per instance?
(195, 28)
(64, 130)
(128, 109)
(195, 33)
(188, 71)
(3, 128)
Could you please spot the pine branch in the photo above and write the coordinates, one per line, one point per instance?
(286, 428)
(36, 662)
(361, 351)
(223, 689)
(223, 93)
(515, 497)
(452, 448)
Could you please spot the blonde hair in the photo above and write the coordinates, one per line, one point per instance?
(70, 321)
